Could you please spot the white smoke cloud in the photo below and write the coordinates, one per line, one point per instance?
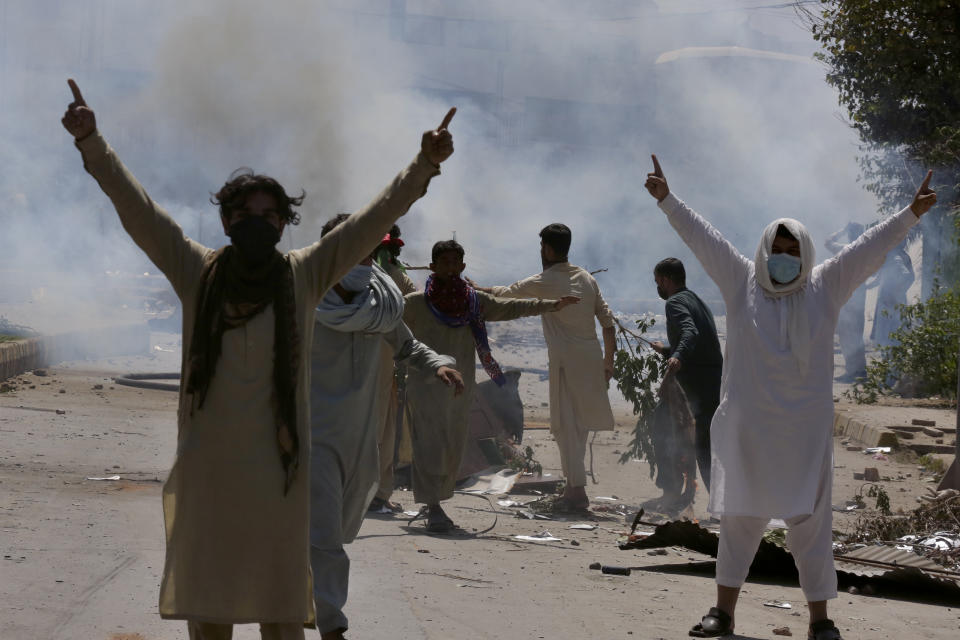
(561, 104)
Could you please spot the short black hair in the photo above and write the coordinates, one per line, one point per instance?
(244, 182)
(444, 246)
(332, 223)
(783, 232)
(557, 236)
(672, 268)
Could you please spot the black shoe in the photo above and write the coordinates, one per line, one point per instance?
(823, 630)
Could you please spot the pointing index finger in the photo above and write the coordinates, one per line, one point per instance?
(657, 171)
(446, 119)
(926, 181)
(77, 96)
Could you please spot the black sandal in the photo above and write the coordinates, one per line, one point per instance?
(713, 625)
(440, 523)
(824, 630)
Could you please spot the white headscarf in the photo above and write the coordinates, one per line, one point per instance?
(794, 323)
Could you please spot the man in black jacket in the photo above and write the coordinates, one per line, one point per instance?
(693, 353)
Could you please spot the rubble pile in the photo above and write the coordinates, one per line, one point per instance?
(932, 530)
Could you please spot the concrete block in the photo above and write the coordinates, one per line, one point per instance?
(923, 423)
(933, 433)
(871, 474)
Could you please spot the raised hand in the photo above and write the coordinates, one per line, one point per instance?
(451, 378)
(79, 119)
(565, 301)
(656, 183)
(925, 197)
(437, 145)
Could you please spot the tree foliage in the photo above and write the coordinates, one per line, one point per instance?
(895, 65)
(924, 354)
(637, 370)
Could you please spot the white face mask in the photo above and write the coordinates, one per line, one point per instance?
(358, 278)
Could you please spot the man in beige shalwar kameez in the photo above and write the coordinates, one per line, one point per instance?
(235, 504)
(448, 316)
(579, 371)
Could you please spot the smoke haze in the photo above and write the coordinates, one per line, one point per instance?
(560, 105)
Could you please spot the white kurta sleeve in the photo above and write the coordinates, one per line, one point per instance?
(723, 263)
(844, 272)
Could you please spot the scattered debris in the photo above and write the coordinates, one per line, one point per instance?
(108, 478)
(615, 571)
(871, 474)
(778, 604)
(583, 527)
(543, 536)
(782, 631)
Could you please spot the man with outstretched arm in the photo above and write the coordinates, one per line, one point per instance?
(771, 435)
(450, 316)
(236, 504)
(579, 370)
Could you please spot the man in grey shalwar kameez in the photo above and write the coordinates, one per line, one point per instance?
(354, 320)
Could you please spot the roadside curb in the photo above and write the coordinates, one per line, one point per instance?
(34, 353)
(845, 425)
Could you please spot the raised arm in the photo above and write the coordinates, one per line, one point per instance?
(850, 268)
(720, 259)
(150, 227)
(340, 250)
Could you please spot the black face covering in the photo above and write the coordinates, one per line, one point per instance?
(254, 238)
(662, 292)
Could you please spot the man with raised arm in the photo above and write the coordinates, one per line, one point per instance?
(771, 435)
(579, 369)
(236, 504)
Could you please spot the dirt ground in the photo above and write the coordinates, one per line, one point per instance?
(82, 558)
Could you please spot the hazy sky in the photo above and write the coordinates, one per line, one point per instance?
(561, 104)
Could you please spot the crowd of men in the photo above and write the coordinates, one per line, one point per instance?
(288, 400)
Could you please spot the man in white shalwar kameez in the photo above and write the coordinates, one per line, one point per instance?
(772, 447)
(579, 370)
(353, 321)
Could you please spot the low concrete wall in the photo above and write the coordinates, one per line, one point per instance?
(844, 425)
(33, 353)
(22, 355)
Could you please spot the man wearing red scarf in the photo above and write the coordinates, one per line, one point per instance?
(449, 317)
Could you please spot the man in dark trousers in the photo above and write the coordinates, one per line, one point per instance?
(693, 353)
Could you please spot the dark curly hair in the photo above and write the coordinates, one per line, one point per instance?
(444, 246)
(244, 182)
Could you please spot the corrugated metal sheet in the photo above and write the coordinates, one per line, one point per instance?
(885, 560)
(878, 561)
